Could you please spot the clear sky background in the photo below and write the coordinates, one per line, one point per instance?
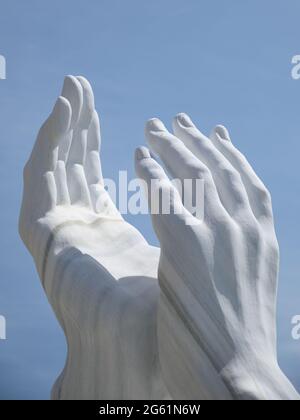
(220, 61)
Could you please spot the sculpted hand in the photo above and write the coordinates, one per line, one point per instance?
(98, 271)
(218, 275)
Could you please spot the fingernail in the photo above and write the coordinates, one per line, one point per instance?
(155, 125)
(222, 132)
(142, 153)
(184, 120)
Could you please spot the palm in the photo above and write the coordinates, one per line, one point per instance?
(98, 271)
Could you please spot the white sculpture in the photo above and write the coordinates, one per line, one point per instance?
(99, 273)
(215, 333)
(218, 277)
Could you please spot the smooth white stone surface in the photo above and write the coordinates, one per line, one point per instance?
(206, 329)
(99, 273)
(217, 275)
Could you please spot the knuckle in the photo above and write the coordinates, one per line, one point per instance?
(265, 196)
(225, 222)
(230, 173)
(198, 171)
(240, 156)
(253, 231)
(274, 249)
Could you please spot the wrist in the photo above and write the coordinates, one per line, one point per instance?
(257, 378)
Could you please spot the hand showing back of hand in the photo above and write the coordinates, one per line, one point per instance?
(217, 275)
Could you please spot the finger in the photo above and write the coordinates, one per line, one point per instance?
(45, 151)
(92, 167)
(92, 164)
(182, 164)
(72, 91)
(259, 196)
(77, 183)
(60, 175)
(227, 179)
(48, 194)
(39, 197)
(77, 152)
(78, 187)
(160, 191)
(102, 203)
(88, 103)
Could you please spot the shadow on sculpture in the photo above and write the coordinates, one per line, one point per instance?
(194, 319)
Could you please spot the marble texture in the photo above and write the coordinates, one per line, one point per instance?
(195, 319)
(218, 275)
(99, 273)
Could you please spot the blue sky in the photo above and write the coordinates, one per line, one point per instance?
(221, 62)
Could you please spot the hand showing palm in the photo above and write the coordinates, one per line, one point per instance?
(98, 271)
